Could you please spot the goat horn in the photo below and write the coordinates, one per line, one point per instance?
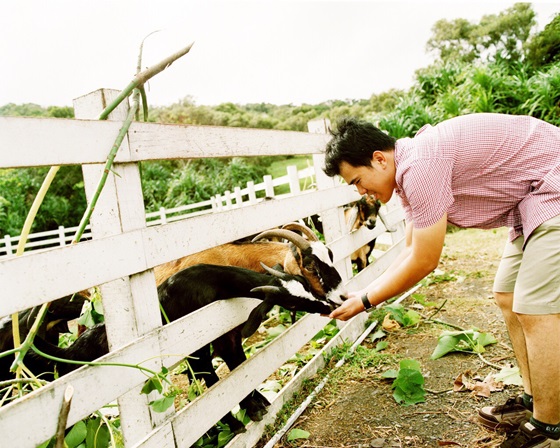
(303, 229)
(279, 274)
(266, 289)
(293, 237)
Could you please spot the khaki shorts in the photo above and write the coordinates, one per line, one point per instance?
(533, 274)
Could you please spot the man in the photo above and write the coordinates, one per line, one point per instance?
(483, 171)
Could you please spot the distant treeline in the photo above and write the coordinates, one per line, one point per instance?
(496, 65)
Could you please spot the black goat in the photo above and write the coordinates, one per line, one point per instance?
(197, 286)
(56, 321)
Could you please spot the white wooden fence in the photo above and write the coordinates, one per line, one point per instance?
(122, 253)
(240, 197)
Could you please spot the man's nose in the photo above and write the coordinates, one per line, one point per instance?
(361, 190)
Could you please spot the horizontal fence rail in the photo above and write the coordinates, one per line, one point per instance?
(239, 198)
(124, 244)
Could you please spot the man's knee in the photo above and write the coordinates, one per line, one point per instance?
(504, 300)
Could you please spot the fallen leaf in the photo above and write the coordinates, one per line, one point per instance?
(390, 324)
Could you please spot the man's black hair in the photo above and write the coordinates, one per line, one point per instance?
(354, 142)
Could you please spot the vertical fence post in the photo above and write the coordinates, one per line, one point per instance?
(219, 203)
(162, 216)
(227, 194)
(334, 224)
(130, 304)
(251, 192)
(238, 196)
(61, 236)
(8, 244)
(293, 178)
(268, 186)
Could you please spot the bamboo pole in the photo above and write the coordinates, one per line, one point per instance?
(141, 78)
(134, 87)
(21, 246)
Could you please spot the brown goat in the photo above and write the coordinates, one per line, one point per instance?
(250, 255)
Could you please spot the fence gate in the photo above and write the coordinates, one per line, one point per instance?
(123, 250)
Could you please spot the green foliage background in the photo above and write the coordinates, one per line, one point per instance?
(495, 65)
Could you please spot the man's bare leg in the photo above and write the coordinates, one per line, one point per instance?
(516, 336)
(542, 338)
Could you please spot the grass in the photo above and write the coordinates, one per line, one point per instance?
(278, 169)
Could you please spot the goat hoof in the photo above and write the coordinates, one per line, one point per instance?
(235, 426)
(256, 406)
(238, 430)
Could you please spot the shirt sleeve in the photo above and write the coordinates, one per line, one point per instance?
(427, 189)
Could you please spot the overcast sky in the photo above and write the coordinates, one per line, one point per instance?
(276, 51)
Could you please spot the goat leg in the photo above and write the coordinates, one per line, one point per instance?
(229, 348)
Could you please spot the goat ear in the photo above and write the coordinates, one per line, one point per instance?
(296, 252)
(256, 317)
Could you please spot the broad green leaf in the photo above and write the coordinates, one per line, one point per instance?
(381, 346)
(275, 331)
(152, 384)
(97, 434)
(76, 435)
(466, 341)
(411, 317)
(224, 437)
(421, 299)
(390, 374)
(379, 334)
(409, 387)
(411, 364)
(162, 404)
(297, 434)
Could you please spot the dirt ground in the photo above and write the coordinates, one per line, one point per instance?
(360, 411)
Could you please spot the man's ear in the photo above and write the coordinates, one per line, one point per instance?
(378, 158)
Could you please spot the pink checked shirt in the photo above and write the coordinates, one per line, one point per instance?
(484, 170)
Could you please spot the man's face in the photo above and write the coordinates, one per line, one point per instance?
(377, 180)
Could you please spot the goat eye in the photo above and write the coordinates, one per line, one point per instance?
(309, 267)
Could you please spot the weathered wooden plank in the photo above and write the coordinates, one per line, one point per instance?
(349, 333)
(190, 423)
(65, 270)
(28, 142)
(33, 418)
(164, 141)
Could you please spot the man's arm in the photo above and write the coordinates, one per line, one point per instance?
(419, 258)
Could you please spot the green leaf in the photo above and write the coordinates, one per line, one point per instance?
(152, 384)
(421, 299)
(76, 435)
(379, 334)
(297, 434)
(276, 331)
(409, 387)
(410, 364)
(162, 404)
(410, 318)
(390, 374)
(381, 346)
(224, 437)
(468, 340)
(97, 433)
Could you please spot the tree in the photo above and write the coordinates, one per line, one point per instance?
(544, 48)
(495, 37)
